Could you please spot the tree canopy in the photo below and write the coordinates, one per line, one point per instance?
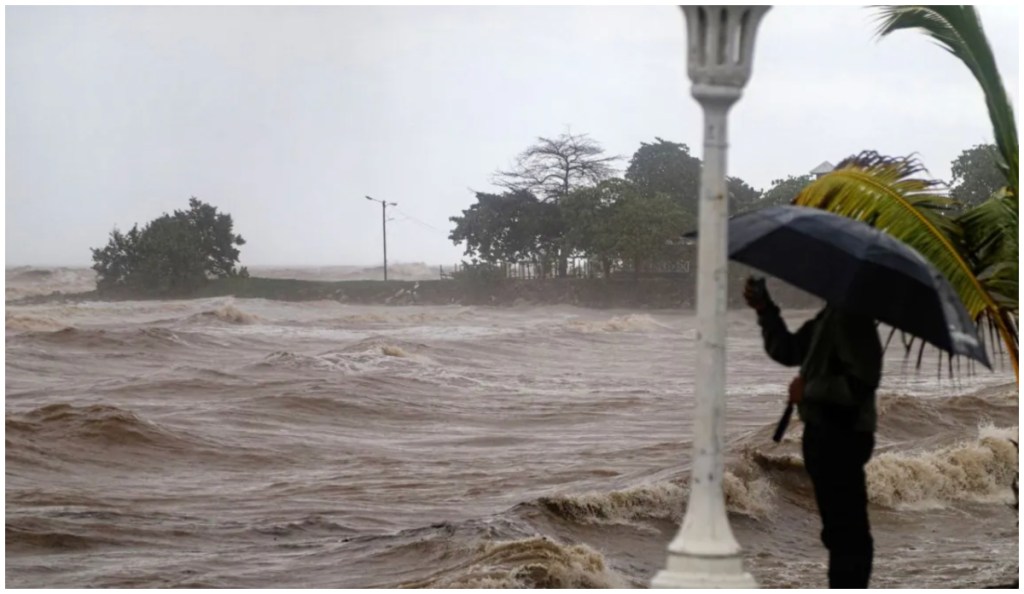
(553, 167)
(637, 221)
(976, 175)
(668, 168)
(977, 250)
(172, 255)
(507, 227)
(552, 211)
(783, 191)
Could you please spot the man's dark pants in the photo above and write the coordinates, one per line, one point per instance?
(835, 460)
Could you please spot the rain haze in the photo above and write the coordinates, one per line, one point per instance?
(538, 424)
(287, 117)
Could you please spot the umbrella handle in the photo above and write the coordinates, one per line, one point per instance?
(783, 423)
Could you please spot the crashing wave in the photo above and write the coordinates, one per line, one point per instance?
(231, 314)
(537, 562)
(29, 323)
(626, 323)
(746, 493)
(981, 470)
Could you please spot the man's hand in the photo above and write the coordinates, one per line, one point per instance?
(796, 390)
(756, 295)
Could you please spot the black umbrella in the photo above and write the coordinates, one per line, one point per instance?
(850, 264)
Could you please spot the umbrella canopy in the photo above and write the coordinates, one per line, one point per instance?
(850, 264)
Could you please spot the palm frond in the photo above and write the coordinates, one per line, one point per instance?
(990, 234)
(887, 193)
(990, 229)
(1002, 281)
(958, 30)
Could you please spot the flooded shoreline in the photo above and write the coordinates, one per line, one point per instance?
(229, 442)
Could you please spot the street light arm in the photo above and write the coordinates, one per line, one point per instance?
(384, 202)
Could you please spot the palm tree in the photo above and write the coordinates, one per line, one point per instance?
(977, 251)
(958, 30)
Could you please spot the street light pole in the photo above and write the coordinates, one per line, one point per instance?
(384, 224)
(705, 554)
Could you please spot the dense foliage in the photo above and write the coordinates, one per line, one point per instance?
(972, 234)
(172, 255)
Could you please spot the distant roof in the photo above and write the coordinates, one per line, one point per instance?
(825, 167)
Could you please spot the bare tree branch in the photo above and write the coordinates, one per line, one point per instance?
(553, 167)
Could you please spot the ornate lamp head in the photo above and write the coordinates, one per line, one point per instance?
(720, 48)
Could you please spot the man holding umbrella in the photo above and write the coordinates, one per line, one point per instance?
(840, 359)
(848, 264)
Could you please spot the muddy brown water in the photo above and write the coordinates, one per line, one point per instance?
(253, 443)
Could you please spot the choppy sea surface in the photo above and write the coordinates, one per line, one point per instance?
(252, 443)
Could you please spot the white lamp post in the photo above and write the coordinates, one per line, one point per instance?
(720, 48)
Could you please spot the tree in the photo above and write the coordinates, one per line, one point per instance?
(976, 175)
(584, 212)
(508, 227)
(989, 229)
(957, 29)
(588, 217)
(886, 191)
(114, 262)
(553, 167)
(784, 191)
(668, 168)
(742, 197)
(216, 242)
(610, 221)
(643, 226)
(977, 250)
(173, 254)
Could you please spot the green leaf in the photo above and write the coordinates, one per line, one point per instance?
(887, 193)
(958, 30)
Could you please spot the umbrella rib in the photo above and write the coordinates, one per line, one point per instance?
(888, 340)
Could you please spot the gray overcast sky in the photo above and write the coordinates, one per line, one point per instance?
(286, 117)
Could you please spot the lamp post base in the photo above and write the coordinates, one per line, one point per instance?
(691, 571)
